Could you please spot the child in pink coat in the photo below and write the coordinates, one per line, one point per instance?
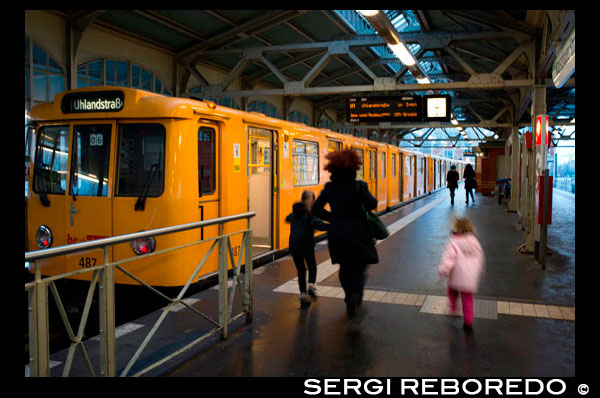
(463, 264)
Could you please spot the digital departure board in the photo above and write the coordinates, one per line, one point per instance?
(384, 109)
(411, 108)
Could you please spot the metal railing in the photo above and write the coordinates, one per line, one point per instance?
(104, 275)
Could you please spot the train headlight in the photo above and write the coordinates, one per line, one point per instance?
(44, 237)
(143, 245)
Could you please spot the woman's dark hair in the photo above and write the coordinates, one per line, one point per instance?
(343, 163)
(453, 167)
(468, 167)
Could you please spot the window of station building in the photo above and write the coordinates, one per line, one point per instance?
(305, 163)
(51, 156)
(325, 123)
(44, 76)
(114, 72)
(297, 116)
(141, 161)
(206, 160)
(264, 107)
(90, 160)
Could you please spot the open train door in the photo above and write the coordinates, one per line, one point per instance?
(261, 195)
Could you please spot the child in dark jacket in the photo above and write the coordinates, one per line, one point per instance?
(302, 244)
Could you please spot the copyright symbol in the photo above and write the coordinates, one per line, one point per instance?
(583, 389)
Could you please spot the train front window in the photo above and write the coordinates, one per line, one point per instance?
(141, 160)
(51, 154)
(90, 160)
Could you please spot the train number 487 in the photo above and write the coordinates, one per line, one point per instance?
(87, 262)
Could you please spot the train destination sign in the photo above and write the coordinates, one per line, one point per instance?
(94, 101)
(383, 109)
(412, 108)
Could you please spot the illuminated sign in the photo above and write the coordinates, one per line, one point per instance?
(541, 129)
(398, 109)
(383, 109)
(96, 101)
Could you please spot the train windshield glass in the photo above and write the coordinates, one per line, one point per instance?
(141, 164)
(51, 155)
(91, 152)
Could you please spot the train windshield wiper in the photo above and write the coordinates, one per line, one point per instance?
(141, 201)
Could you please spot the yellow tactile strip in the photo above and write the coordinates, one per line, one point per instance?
(536, 310)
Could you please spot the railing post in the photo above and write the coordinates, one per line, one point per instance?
(107, 319)
(248, 271)
(39, 343)
(223, 288)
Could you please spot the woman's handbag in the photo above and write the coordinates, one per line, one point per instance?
(378, 229)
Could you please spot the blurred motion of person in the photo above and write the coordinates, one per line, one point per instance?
(463, 264)
(302, 243)
(349, 238)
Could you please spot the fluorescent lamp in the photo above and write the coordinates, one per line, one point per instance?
(403, 54)
(368, 13)
(453, 120)
(423, 80)
(495, 136)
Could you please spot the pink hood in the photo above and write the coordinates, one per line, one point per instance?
(462, 263)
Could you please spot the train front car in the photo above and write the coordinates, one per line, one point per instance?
(110, 161)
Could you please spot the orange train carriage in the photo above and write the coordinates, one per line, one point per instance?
(109, 161)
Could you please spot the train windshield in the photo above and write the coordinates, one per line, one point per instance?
(51, 160)
(90, 160)
(141, 163)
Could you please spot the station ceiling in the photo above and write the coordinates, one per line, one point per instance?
(276, 49)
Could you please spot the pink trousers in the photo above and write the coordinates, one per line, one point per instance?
(467, 304)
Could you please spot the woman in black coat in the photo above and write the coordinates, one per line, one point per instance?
(470, 182)
(349, 237)
(452, 180)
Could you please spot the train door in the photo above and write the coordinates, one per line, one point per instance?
(401, 176)
(372, 173)
(261, 188)
(208, 191)
(88, 204)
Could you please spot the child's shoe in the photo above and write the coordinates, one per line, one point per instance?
(468, 328)
(312, 290)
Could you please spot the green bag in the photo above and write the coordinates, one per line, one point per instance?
(378, 229)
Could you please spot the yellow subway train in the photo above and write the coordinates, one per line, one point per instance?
(109, 161)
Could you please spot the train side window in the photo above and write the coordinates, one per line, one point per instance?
(51, 155)
(141, 160)
(333, 146)
(90, 160)
(305, 163)
(361, 155)
(408, 165)
(393, 165)
(206, 160)
(383, 165)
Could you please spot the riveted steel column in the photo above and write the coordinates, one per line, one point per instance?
(223, 290)
(39, 343)
(107, 319)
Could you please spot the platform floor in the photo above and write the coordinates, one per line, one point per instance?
(524, 316)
